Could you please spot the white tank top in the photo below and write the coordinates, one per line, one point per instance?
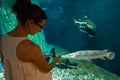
(16, 69)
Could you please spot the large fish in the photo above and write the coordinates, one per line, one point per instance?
(90, 54)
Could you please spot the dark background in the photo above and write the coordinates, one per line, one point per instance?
(61, 30)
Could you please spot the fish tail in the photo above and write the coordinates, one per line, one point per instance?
(110, 55)
(53, 52)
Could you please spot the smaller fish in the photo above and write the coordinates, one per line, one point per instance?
(79, 21)
(89, 22)
(91, 54)
(50, 55)
(86, 26)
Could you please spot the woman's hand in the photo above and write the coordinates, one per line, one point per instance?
(57, 59)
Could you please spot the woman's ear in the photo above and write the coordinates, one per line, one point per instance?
(31, 23)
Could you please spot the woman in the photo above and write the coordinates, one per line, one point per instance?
(23, 59)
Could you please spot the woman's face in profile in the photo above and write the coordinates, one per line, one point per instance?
(33, 27)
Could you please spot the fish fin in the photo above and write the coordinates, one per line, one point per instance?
(106, 50)
(53, 52)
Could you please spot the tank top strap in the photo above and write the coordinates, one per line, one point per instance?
(17, 40)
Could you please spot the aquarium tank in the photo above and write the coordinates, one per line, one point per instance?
(85, 33)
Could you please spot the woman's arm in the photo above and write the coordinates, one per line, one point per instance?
(30, 52)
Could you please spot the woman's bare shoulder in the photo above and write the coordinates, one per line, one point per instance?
(25, 49)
